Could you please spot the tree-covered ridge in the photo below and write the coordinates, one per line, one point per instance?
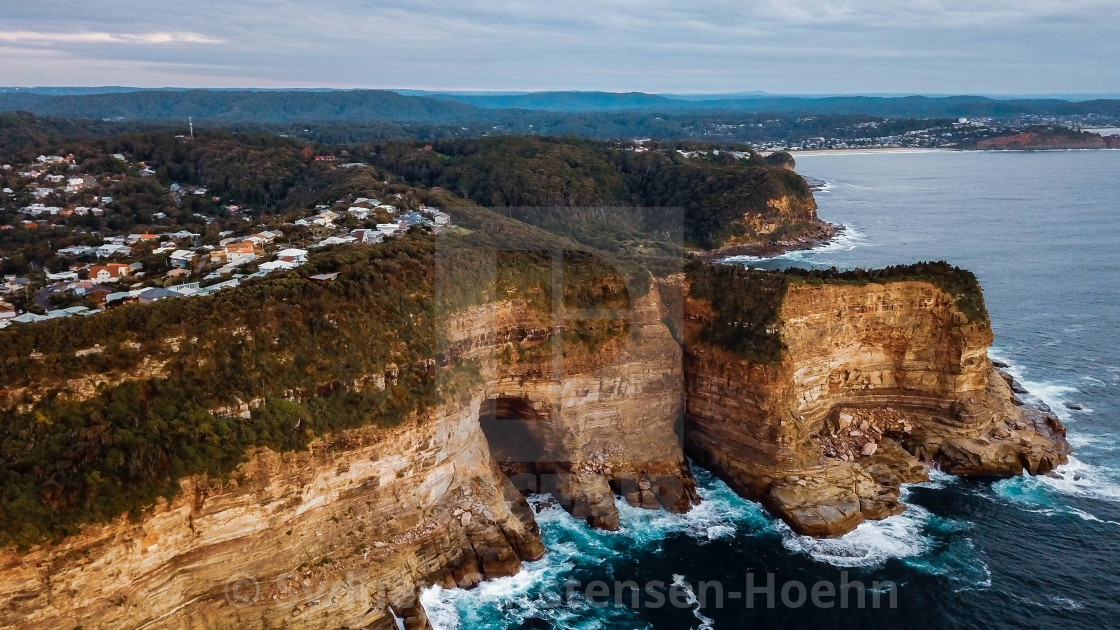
(713, 190)
(746, 303)
(275, 362)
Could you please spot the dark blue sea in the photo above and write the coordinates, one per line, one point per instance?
(1042, 232)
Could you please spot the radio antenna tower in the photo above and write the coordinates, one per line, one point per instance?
(190, 121)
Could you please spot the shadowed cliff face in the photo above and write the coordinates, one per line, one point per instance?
(875, 383)
(583, 426)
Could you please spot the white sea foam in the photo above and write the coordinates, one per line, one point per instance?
(847, 239)
(1054, 394)
(706, 623)
(1075, 478)
(720, 514)
(870, 544)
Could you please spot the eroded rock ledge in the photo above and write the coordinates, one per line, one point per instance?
(876, 383)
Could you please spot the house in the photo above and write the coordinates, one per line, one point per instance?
(177, 273)
(325, 277)
(182, 258)
(106, 199)
(109, 272)
(367, 236)
(388, 229)
(75, 250)
(414, 218)
(155, 293)
(112, 249)
(325, 218)
(292, 255)
(274, 265)
(239, 252)
(334, 240)
(441, 218)
(14, 283)
(182, 235)
(7, 311)
(138, 238)
(358, 212)
(75, 184)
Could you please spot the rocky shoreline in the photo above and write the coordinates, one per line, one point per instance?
(811, 239)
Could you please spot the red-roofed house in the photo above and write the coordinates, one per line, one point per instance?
(110, 272)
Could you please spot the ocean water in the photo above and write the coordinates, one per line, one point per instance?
(1042, 232)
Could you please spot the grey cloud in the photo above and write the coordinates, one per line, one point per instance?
(991, 46)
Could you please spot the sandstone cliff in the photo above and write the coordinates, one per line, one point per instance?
(346, 533)
(329, 537)
(874, 383)
(1049, 140)
(583, 426)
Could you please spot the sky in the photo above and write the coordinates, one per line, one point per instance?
(661, 46)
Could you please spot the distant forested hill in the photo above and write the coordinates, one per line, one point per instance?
(241, 106)
(287, 106)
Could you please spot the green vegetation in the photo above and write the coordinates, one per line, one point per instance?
(960, 284)
(746, 303)
(309, 356)
(589, 190)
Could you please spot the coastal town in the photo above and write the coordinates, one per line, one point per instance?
(70, 214)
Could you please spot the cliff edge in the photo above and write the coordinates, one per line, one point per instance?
(872, 384)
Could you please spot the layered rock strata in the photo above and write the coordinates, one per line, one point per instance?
(584, 425)
(341, 535)
(345, 534)
(876, 383)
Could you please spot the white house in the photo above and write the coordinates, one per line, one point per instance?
(388, 229)
(367, 236)
(292, 255)
(182, 258)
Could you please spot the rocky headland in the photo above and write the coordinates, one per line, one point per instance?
(874, 384)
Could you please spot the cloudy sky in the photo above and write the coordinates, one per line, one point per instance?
(786, 46)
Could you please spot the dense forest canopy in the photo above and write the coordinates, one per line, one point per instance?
(706, 195)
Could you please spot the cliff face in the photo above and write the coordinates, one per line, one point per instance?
(1065, 139)
(876, 381)
(346, 533)
(584, 425)
(317, 539)
(790, 222)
